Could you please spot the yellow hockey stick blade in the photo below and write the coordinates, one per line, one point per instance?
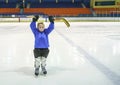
(66, 22)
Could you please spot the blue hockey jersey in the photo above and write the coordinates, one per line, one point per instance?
(41, 38)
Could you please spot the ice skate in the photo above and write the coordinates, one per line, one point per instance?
(36, 71)
(44, 71)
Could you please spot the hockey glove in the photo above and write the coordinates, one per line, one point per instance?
(51, 19)
(35, 18)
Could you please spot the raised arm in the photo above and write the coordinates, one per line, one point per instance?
(50, 28)
(51, 25)
(33, 23)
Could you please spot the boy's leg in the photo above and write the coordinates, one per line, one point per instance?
(37, 65)
(37, 61)
(43, 64)
(43, 60)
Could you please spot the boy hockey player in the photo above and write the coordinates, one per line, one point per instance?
(41, 46)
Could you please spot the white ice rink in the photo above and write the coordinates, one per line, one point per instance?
(86, 54)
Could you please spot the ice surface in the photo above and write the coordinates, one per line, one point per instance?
(85, 54)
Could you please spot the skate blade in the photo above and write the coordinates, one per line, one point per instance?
(36, 76)
(42, 74)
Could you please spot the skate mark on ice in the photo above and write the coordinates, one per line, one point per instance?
(115, 78)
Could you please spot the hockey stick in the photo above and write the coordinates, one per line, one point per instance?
(58, 19)
(64, 20)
